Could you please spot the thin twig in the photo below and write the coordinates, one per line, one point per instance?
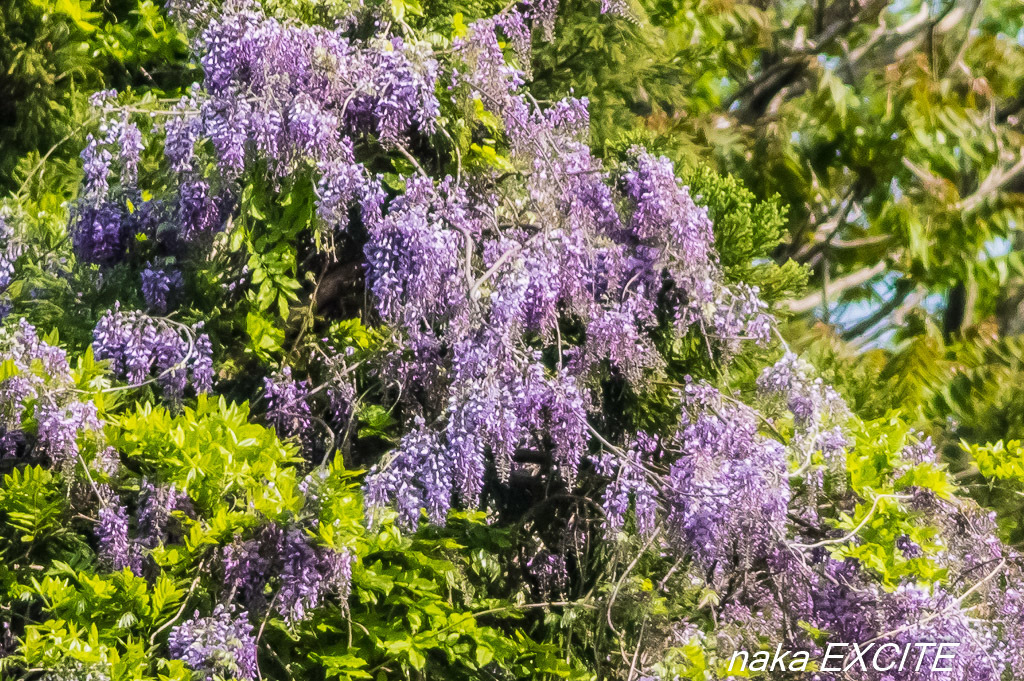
(184, 603)
(853, 533)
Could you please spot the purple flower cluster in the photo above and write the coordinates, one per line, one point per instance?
(810, 401)
(819, 417)
(142, 348)
(840, 599)
(43, 383)
(59, 425)
(729, 489)
(157, 504)
(101, 234)
(477, 279)
(550, 572)
(296, 88)
(342, 182)
(414, 259)
(916, 614)
(96, 161)
(288, 406)
(481, 288)
(222, 645)
(416, 476)
(102, 228)
(308, 573)
(287, 97)
(117, 551)
(630, 488)
(517, 293)
(303, 573)
(160, 286)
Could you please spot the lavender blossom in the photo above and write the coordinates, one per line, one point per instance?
(304, 574)
(159, 287)
(288, 408)
(100, 234)
(117, 550)
(221, 645)
(140, 347)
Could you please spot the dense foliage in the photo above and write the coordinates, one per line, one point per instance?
(891, 130)
(369, 355)
(53, 54)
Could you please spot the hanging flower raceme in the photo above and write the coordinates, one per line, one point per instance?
(301, 574)
(222, 645)
(527, 293)
(41, 388)
(143, 349)
(488, 275)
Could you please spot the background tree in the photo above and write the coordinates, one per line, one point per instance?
(891, 131)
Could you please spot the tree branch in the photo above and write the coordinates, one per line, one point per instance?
(903, 289)
(843, 283)
(992, 183)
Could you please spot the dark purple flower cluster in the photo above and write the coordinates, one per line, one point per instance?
(342, 182)
(103, 226)
(222, 645)
(916, 614)
(157, 503)
(143, 348)
(160, 286)
(551, 574)
(199, 211)
(101, 233)
(287, 563)
(288, 407)
(247, 565)
(308, 574)
(117, 550)
(59, 425)
(298, 87)
(413, 259)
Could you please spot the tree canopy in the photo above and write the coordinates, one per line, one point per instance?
(486, 340)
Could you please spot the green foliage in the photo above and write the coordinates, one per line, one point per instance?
(31, 505)
(885, 479)
(747, 231)
(999, 469)
(419, 606)
(269, 230)
(54, 53)
(213, 453)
